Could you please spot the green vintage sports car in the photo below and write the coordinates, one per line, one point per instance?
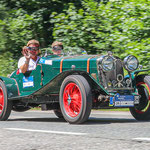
(73, 85)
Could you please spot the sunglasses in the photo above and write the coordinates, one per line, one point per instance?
(57, 48)
(33, 48)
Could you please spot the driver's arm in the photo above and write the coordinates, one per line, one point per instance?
(24, 67)
(23, 63)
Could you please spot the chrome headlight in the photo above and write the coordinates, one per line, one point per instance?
(106, 62)
(131, 63)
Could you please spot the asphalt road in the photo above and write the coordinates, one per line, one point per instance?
(36, 130)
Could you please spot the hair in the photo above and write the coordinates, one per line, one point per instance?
(33, 42)
(25, 47)
(56, 43)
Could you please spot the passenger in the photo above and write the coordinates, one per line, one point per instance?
(30, 56)
(57, 47)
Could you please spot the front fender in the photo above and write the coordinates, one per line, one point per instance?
(11, 86)
(135, 73)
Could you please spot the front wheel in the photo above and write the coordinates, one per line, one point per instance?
(58, 113)
(5, 105)
(142, 110)
(75, 99)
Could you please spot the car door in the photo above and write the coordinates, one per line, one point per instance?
(29, 82)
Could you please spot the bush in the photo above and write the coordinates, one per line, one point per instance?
(118, 26)
(8, 65)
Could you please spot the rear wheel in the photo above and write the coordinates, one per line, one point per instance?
(142, 110)
(5, 105)
(75, 99)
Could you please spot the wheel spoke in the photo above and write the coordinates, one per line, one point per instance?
(76, 108)
(72, 90)
(1, 107)
(72, 99)
(1, 99)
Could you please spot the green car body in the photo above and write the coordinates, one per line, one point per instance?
(51, 72)
(55, 76)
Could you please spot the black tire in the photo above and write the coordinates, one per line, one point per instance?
(5, 104)
(58, 113)
(75, 99)
(141, 111)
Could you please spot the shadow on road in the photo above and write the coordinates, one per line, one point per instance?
(91, 120)
(39, 119)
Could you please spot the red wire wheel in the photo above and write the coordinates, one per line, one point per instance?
(141, 111)
(72, 99)
(5, 105)
(75, 99)
(1, 100)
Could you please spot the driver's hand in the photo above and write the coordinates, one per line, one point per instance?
(26, 53)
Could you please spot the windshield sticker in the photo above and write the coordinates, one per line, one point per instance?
(47, 62)
(28, 82)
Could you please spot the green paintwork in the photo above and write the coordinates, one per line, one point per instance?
(36, 74)
(11, 86)
(80, 63)
(138, 71)
(134, 74)
(47, 77)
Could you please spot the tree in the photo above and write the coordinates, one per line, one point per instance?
(22, 20)
(118, 26)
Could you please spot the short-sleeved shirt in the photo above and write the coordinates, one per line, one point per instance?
(32, 63)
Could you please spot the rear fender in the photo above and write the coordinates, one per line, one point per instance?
(11, 86)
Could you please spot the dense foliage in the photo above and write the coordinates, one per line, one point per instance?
(121, 26)
(22, 20)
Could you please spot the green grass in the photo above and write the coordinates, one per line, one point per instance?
(36, 108)
(116, 109)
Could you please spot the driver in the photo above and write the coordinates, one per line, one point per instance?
(57, 48)
(30, 56)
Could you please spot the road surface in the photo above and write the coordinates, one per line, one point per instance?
(105, 130)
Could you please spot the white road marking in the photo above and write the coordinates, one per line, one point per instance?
(46, 131)
(141, 139)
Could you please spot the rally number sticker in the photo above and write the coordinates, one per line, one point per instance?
(28, 82)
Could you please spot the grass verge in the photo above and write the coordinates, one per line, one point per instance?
(116, 109)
